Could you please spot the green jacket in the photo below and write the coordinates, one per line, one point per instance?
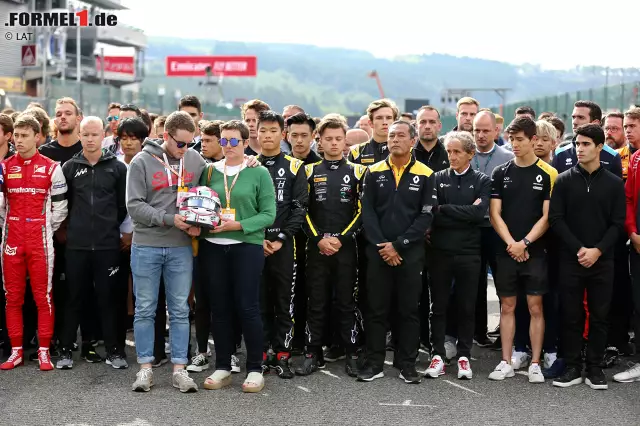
(253, 198)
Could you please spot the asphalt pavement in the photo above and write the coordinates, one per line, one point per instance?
(95, 394)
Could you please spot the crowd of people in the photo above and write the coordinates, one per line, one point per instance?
(335, 242)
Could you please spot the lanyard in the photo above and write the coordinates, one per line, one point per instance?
(227, 190)
(170, 170)
(475, 157)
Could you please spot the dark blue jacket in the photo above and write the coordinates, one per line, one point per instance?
(565, 158)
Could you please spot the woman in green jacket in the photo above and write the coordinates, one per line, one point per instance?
(231, 256)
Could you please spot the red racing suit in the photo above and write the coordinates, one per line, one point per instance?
(35, 205)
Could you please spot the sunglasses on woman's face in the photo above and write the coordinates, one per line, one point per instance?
(233, 142)
(112, 118)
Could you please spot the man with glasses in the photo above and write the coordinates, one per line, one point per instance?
(123, 111)
(113, 119)
(158, 179)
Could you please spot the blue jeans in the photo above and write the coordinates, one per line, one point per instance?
(148, 264)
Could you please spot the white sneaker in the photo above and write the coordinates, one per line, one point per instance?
(630, 375)
(450, 349)
(436, 368)
(464, 368)
(520, 360)
(235, 364)
(535, 373)
(549, 359)
(502, 371)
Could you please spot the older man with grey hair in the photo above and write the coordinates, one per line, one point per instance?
(463, 199)
(96, 183)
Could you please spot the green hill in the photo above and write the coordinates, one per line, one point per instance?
(324, 80)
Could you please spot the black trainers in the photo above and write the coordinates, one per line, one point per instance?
(66, 361)
(572, 376)
(482, 341)
(334, 353)
(89, 354)
(268, 362)
(159, 361)
(368, 374)
(282, 366)
(496, 345)
(611, 357)
(351, 366)
(410, 375)
(596, 379)
(495, 332)
(309, 364)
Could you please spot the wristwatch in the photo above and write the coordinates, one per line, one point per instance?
(282, 237)
(526, 242)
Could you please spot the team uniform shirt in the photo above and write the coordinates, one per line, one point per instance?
(565, 158)
(334, 199)
(58, 153)
(437, 159)
(292, 195)
(523, 191)
(625, 157)
(368, 153)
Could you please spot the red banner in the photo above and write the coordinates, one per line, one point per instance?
(117, 64)
(196, 66)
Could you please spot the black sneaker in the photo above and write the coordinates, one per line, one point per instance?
(572, 376)
(496, 345)
(611, 357)
(410, 375)
(159, 361)
(282, 366)
(309, 365)
(596, 379)
(116, 361)
(89, 354)
(351, 366)
(482, 341)
(494, 333)
(368, 374)
(269, 362)
(334, 353)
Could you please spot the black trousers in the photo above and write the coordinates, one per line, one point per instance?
(300, 299)
(328, 276)
(444, 269)
(621, 299)
(232, 275)
(634, 262)
(203, 309)
(277, 293)
(598, 281)
(489, 244)
(386, 283)
(99, 270)
(425, 302)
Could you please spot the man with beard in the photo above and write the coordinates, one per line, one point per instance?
(467, 110)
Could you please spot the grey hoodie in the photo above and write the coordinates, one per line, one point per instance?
(486, 162)
(151, 203)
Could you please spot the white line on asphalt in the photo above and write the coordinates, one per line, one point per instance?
(461, 387)
(329, 373)
(304, 389)
(406, 403)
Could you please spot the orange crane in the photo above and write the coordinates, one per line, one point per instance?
(374, 74)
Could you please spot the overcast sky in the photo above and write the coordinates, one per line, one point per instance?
(556, 34)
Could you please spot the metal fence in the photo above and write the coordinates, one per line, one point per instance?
(94, 99)
(610, 98)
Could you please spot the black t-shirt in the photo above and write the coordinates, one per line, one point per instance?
(523, 190)
(58, 153)
(249, 151)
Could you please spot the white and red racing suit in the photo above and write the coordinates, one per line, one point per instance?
(35, 205)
